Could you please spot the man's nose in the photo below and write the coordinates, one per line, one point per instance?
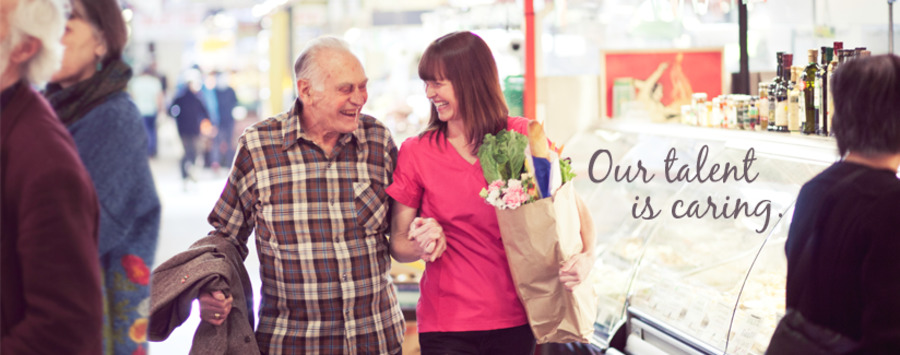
(358, 97)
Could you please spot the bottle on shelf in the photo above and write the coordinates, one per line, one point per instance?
(845, 55)
(826, 126)
(742, 112)
(781, 96)
(716, 117)
(772, 90)
(753, 114)
(794, 101)
(762, 105)
(822, 76)
(707, 113)
(808, 78)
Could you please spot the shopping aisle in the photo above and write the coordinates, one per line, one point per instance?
(184, 213)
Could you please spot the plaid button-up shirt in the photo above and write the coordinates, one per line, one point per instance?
(320, 227)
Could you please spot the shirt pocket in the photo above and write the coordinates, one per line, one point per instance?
(371, 206)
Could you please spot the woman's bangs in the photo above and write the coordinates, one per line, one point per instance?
(430, 67)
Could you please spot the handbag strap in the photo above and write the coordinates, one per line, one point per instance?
(805, 262)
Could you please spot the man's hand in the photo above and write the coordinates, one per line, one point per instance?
(214, 307)
(429, 238)
(575, 270)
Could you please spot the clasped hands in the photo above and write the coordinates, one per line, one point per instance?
(428, 238)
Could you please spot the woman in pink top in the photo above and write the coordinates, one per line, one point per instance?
(468, 303)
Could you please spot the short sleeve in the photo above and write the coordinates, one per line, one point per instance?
(406, 187)
(518, 124)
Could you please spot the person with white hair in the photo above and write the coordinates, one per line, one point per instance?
(49, 262)
(309, 184)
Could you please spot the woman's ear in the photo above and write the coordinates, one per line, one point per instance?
(100, 49)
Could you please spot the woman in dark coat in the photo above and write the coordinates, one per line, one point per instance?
(849, 211)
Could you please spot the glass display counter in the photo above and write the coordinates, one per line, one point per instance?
(702, 269)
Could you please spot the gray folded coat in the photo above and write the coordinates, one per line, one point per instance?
(211, 264)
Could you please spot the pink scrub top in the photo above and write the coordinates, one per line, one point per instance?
(469, 288)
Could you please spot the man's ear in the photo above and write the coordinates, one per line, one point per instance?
(27, 49)
(303, 89)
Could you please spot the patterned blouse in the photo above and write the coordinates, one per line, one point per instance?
(320, 225)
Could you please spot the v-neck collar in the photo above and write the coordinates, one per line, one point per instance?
(456, 155)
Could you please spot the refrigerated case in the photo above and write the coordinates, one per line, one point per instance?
(683, 282)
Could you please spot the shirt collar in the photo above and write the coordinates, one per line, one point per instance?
(294, 132)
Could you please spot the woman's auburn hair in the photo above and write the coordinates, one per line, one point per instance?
(106, 17)
(466, 61)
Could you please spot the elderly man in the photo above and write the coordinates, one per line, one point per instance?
(51, 299)
(311, 183)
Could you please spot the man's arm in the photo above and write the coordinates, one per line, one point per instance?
(402, 248)
(414, 238)
(233, 217)
(57, 248)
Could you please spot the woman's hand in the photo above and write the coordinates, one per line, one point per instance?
(428, 237)
(575, 270)
(214, 307)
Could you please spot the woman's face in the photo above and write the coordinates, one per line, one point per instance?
(83, 50)
(441, 95)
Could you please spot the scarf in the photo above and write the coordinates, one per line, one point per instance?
(73, 102)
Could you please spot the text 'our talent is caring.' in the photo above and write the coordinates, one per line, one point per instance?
(602, 166)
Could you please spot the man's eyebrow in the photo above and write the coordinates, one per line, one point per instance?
(347, 83)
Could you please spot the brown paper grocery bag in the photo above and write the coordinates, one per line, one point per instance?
(538, 237)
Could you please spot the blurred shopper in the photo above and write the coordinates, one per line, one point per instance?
(845, 222)
(88, 94)
(468, 302)
(189, 111)
(147, 91)
(51, 300)
(309, 185)
(208, 94)
(227, 101)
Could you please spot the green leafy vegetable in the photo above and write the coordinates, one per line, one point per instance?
(502, 155)
(565, 167)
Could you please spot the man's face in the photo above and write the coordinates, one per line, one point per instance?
(210, 82)
(333, 104)
(7, 8)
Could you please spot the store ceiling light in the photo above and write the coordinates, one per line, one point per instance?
(266, 7)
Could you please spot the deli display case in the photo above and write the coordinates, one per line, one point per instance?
(690, 226)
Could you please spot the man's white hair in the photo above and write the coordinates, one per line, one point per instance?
(306, 66)
(44, 20)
